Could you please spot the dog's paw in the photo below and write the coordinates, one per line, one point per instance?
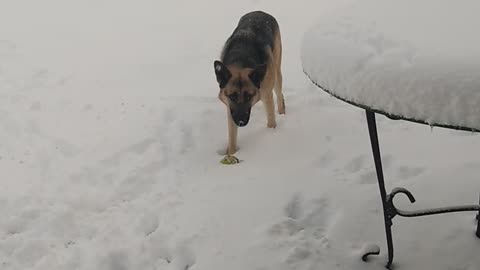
(272, 125)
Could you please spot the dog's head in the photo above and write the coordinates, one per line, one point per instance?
(239, 89)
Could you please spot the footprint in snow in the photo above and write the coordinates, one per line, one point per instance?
(312, 221)
(310, 216)
(302, 233)
(293, 209)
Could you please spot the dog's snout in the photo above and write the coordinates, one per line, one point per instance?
(241, 116)
(241, 121)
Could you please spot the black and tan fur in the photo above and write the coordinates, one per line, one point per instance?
(249, 70)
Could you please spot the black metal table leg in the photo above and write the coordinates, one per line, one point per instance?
(372, 129)
(477, 233)
(389, 209)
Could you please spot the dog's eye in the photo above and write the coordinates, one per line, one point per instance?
(233, 97)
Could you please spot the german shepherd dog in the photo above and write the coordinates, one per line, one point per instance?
(249, 70)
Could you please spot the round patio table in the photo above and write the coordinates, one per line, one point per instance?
(417, 61)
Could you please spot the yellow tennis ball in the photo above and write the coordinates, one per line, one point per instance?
(229, 160)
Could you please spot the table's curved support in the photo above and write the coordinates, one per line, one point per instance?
(389, 208)
(426, 212)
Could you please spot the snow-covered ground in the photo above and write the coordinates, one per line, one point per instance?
(110, 126)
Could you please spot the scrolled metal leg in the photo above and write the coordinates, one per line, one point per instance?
(370, 250)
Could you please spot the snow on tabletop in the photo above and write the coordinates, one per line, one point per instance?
(415, 59)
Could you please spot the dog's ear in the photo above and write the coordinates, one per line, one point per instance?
(256, 75)
(222, 73)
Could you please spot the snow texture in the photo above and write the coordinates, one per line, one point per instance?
(415, 59)
(109, 127)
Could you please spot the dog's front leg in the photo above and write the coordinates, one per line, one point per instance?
(267, 99)
(232, 135)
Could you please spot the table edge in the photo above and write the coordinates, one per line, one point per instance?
(389, 115)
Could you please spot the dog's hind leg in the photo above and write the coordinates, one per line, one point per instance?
(232, 135)
(277, 57)
(278, 92)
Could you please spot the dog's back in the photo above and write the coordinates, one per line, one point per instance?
(252, 42)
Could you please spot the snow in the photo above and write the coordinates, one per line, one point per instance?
(110, 124)
(416, 60)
